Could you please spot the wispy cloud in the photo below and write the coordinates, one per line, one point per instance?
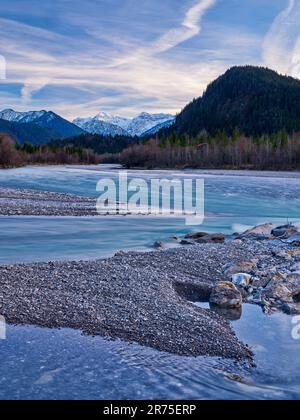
(281, 47)
(89, 58)
(190, 27)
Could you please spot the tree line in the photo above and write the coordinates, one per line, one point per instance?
(274, 152)
(13, 154)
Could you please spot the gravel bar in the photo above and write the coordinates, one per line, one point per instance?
(22, 202)
(137, 297)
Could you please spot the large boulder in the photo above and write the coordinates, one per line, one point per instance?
(260, 232)
(225, 295)
(196, 235)
(284, 288)
(240, 267)
(206, 238)
(216, 238)
(280, 292)
(294, 239)
(241, 279)
(284, 232)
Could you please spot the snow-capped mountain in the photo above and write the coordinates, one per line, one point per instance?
(115, 120)
(60, 127)
(145, 122)
(97, 126)
(24, 117)
(106, 124)
(157, 128)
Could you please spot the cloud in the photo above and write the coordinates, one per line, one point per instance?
(281, 47)
(190, 27)
(78, 67)
(2, 68)
(32, 86)
(39, 58)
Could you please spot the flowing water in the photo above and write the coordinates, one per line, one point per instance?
(232, 203)
(42, 363)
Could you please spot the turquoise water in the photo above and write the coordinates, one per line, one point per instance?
(232, 203)
(63, 364)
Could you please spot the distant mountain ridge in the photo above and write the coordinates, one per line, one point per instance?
(255, 100)
(109, 125)
(27, 132)
(45, 124)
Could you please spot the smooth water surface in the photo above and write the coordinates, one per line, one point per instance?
(63, 364)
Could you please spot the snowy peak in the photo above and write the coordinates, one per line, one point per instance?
(145, 122)
(60, 127)
(110, 125)
(97, 126)
(21, 117)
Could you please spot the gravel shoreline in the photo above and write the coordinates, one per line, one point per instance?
(138, 297)
(22, 202)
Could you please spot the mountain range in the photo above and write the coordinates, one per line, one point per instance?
(36, 127)
(139, 126)
(41, 127)
(254, 100)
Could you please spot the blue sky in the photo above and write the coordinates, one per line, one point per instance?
(126, 56)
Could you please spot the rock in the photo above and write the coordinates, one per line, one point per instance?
(296, 267)
(294, 253)
(241, 279)
(240, 267)
(293, 282)
(217, 238)
(159, 245)
(278, 292)
(250, 290)
(260, 280)
(185, 242)
(237, 241)
(283, 254)
(294, 239)
(291, 308)
(260, 232)
(277, 277)
(197, 235)
(284, 232)
(120, 254)
(226, 295)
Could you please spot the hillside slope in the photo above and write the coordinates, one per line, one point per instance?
(256, 100)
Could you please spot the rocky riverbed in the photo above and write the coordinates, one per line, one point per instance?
(148, 297)
(21, 202)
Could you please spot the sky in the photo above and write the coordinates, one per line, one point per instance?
(79, 58)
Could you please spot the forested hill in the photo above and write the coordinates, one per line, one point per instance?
(253, 99)
(97, 143)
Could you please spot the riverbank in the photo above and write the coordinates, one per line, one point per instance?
(138, 297)
(22, 202)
